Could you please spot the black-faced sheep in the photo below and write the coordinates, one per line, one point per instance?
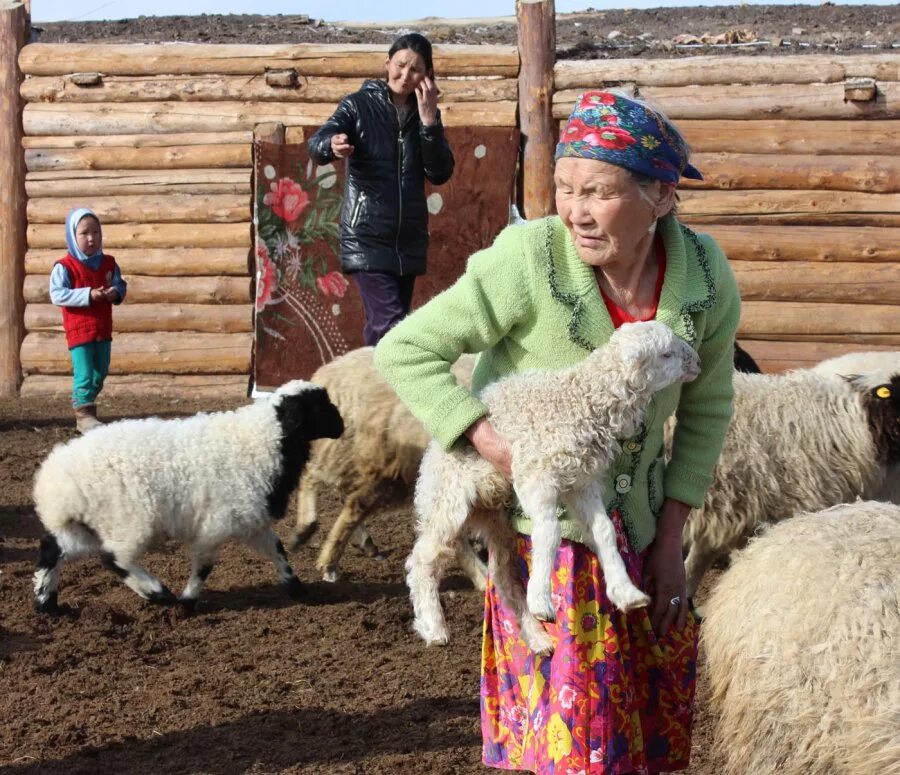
(375, 459)
(200, 480)
(564, 429)
(802, 641)
(797, 442)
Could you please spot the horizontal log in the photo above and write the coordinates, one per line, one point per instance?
(116, 158)
(762, 202)
(183, 262)
(870, 137)
(151, 235)
(216, 88)
(807, 243)
(169, 208)
(789, 101)
(709, 70)
(166, 290)
(358, 60)
(867, 220)
(227, 387)
(91, 183)
(779, 356)
(891, 341)
(139, 141)
(786, 171)
(819, 282)
(167, 117)
(803, 319)
(165, 352)
(208, 318)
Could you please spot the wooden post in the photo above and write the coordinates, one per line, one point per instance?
(537, 54)
(13, 25)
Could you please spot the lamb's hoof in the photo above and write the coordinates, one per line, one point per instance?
(541, 607)
(50, 606)
(302, 535)
(627, 597)
(537, 638)
(432, 634)
(331, 574)
(370, 549)
(188, 605)
(162, 596)
(294, 588)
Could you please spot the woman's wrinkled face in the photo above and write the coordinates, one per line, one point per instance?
(87, 235)
(405, 71)
(605, 210)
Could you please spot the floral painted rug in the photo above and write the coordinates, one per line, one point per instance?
(307, 311)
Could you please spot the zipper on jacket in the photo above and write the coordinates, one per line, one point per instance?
(399, 188)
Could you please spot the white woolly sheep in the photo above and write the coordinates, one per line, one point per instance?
(563, 428)
(200, 480)
(797, 442)
(802, 641)
(376, 458)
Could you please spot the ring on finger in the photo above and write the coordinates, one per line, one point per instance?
(675, 600)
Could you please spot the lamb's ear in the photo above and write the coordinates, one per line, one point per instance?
(310, 413)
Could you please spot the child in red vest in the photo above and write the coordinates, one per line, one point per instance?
(86, 283)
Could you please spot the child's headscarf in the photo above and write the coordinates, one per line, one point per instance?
(612, 128)
(72, 221)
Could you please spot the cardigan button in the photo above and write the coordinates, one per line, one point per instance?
(623, 484)
(632, 446)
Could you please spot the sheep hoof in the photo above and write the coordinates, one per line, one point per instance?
(49, 606)
(331, 574)
(627, 597)
(541, 607)
(302, 535)
(536, 637)
(433, 635)
(162, 596)
(188, 604)
(294, 588)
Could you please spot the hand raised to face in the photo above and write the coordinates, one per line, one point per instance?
(427, 94)
(341, 147)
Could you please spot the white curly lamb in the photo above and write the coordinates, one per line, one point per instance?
(802, 642)
(563, 428)
(797, 442)
(200, 480)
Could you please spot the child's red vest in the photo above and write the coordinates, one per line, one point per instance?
(94, 322)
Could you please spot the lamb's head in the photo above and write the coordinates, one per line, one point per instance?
(881, 399)
(653, 355)
(304, 409)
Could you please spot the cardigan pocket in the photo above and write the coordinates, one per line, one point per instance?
(655, 486)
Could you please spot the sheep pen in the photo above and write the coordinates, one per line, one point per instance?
(802, 637)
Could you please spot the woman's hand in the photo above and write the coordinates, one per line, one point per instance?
(664, 578)
(340, 146)
(427, 94)
(491, 446)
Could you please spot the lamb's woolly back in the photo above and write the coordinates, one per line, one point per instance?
(801, 636)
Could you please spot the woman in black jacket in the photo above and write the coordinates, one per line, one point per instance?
(391, 134)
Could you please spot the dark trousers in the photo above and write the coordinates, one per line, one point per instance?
(386, 299)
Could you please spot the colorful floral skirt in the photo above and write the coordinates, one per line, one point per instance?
(611, 699)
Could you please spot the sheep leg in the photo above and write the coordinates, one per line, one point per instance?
(538, 497)
(587, 507)
(307, 519)
(363, 500)
(54, 551)
(362, 540)
(202, 561)
(470, 563)
(501, 538)
(137, 578)
(267, 543)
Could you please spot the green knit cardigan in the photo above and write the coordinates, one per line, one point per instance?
(529, 303)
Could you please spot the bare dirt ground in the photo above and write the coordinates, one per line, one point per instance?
(253, 682)
(659, 32)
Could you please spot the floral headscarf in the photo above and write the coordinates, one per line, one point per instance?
(612, 128)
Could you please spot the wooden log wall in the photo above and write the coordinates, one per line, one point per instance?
(158, 139)
(801, 188)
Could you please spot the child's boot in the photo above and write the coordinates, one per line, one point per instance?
(86, 418)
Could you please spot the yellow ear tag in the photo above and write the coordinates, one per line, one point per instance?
(883, 392)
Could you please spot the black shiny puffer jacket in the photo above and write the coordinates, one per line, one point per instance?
(384, 218)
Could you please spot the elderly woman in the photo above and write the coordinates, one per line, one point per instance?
(616, 695)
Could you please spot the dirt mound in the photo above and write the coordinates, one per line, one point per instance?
(657, 32)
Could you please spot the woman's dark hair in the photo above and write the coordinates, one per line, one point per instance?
(416, 43)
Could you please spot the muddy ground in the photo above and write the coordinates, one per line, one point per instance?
(657, 32)
(253, 682)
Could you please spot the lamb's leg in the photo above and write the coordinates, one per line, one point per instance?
(470, 563)
(362, 539)
(53, 552)
(501, 538)
(307, 519)
(362, 501)
(269, 545)
(587, 507)
(135, 577)
(538, 497)
(202, 560)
